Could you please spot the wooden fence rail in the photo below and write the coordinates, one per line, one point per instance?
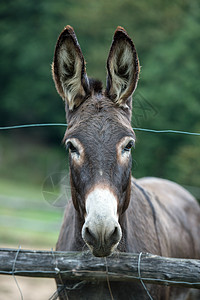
(83, 266)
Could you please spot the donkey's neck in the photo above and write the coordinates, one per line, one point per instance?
(138, 223)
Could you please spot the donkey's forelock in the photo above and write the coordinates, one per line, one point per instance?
(99, 116)
(95, 86)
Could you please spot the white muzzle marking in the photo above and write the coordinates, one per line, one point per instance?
(101, 220)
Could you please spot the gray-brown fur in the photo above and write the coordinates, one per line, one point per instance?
(155, 215)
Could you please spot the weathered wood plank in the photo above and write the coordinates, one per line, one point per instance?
(84, 266)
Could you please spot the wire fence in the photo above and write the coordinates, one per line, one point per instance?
(134, 128)
(82, 267)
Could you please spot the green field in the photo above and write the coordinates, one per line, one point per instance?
(26, 218)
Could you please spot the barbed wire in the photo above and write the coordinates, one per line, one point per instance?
(65, 125)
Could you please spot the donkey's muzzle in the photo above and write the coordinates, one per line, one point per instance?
(101, 230)
(102, 241)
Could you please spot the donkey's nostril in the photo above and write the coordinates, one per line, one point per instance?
(89, 236)
(115, 231)
(87, 231)
(115, 235)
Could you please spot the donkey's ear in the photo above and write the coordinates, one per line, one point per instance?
(68, 69)
(122, 67)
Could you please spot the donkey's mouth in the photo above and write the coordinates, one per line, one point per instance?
(102, 245)
(101, 251)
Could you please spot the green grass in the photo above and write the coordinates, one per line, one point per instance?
(21, 189)
(25, 238)
(48, 216)
(25, 217)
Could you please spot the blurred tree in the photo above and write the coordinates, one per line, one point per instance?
(166, 35)
(170, 82)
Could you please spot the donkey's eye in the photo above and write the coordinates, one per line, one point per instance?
(128, 146)
(72, 148)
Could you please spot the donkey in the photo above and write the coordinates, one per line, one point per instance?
(110, 210)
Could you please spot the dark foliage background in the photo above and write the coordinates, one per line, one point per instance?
(166, 35)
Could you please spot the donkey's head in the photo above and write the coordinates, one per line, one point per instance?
(99, 135)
